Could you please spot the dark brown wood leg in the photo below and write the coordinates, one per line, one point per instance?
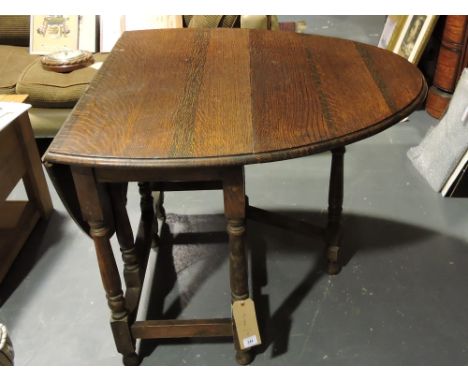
(146, 205)
(146, 200)
(133, 266)
(159, 213)
(335, 207)
(93, 198)
(234, 210)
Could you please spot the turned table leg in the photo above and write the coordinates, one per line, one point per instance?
(234, 210)
(335, 207)
(146, 206)
(92, 199)
(133, 266)
(159, 213)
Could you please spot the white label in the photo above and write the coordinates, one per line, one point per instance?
(250, 341)
(245, 323)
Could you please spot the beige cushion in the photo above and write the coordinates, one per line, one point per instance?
(212, 21)
(228, 21)
(56, 90)
(13, 60)
(46, 122)
(258, 22)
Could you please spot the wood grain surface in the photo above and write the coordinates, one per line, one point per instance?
(187, 97)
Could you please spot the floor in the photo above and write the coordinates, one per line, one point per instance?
(400, 299)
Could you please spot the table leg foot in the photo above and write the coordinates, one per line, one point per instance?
(244, 357)
(132, 359)
(333, 266)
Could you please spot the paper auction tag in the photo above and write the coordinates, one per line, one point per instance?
(243, 312)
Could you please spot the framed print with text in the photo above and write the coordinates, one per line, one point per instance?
(52, 33)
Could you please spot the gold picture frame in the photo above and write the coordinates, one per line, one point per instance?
(51, 33)
(392, 29)
(411, 35)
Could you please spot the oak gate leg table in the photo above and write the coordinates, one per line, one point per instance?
(188, 109)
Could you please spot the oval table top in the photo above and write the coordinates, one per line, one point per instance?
(191, 97)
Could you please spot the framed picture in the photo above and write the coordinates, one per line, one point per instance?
(411, 39)
(392, 29)
(51, 33)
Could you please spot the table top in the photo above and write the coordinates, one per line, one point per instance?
(191, 97)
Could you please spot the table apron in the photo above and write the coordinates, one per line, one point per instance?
(184, 174)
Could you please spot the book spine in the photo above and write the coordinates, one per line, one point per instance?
(450, 63)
